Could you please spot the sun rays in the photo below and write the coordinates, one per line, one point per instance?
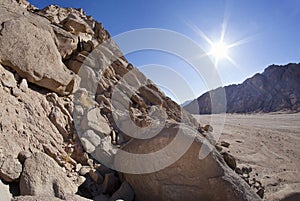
(219, 49)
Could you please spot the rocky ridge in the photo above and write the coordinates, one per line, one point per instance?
(276, 89)
(71, 103)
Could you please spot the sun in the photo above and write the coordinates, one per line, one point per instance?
(219, 50)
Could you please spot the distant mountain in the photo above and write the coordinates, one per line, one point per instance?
(276, 89)
(186, 103)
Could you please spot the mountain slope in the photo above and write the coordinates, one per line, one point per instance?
(276, 89)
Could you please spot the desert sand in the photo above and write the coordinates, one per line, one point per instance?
(269, 143)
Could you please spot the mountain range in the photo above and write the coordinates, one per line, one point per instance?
(276, 89)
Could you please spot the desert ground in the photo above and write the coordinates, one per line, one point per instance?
(269, 143)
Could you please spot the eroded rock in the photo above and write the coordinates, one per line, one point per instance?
(42, 176)
(188, 178)
(34, 54)
(95, 121)
(7, 78)
(230, 160)
(10, 169)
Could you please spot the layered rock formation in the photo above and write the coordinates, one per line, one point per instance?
(74, 112)
(276, 89)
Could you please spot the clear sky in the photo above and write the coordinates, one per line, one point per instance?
(258, 33)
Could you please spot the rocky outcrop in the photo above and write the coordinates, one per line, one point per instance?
(74, 112)
(189, 178)
(42, 176)
(276, 89)
(31, 51)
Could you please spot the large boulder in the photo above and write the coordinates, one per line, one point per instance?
(31, 51)
(42, 176)
(188, 178)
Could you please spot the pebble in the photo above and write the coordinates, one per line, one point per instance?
(260, 193)
(80, 180)
(16, 92)
(246, 170)
(84, 170)
(230, 160)
(78, 167)
(23, 85)
(238, 170)
(225, 144)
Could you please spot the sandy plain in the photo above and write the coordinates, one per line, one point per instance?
(269, 143)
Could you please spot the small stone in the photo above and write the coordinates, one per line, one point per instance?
(111, 183)
(16, 92)
(230, 160)
(250, 169)
(246, 179)
(208, 128)
(105, 152)
(260, 193)
(149, 95)
(95, 121)
(68, 166)
(257, 185)
(246, 170)
(238, 170)
(7, 78)
(225, 144)
(23, 155)
(218, 148)
(90, 162)
(87, 145)
(91, 136)
(120, 139)
(84, 170)
(80, 180)
(23, 85)
(78, 110)
(10, 169)
(78, 167)
(17, 77)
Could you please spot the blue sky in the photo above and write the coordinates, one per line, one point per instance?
(269, 32)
